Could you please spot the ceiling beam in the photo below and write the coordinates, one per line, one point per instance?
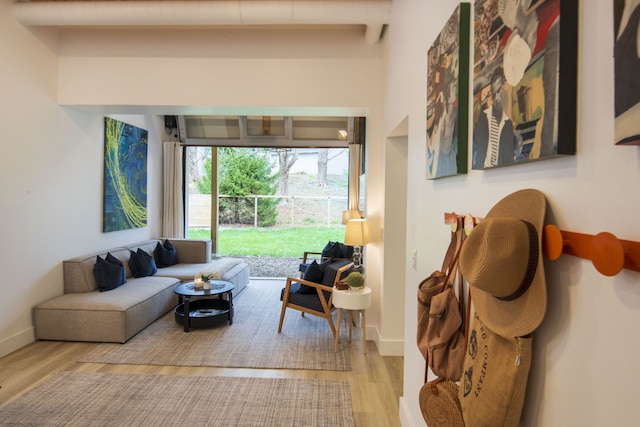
(373, 14)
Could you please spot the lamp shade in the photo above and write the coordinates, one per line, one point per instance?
(357, 232)
(351, 214)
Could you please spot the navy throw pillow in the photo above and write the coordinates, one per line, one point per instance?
(332, 250)
(346, 251)
(108, 275)
(165, 254)
(113, 260)
(142, 264)
(314, 273)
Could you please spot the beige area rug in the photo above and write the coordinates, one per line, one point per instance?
(252, 341)
(99, 399)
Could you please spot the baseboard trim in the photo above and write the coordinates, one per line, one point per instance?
(390, 347)
(406, 420)
(17, 341)
(385, 347)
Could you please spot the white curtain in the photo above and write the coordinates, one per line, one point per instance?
(173, 205)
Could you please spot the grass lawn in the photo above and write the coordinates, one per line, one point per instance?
(271, 242)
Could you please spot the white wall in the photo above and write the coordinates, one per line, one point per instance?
(219, 69)
(51, 179)
(584, 368)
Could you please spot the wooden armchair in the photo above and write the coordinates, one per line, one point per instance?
(311, 297)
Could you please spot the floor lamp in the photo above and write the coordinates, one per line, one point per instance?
(357, 235)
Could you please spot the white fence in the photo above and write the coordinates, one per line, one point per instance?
(293, 211)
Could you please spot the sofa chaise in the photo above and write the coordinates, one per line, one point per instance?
(83, 313)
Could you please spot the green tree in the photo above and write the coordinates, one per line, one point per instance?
(245, 172)
(204, 183)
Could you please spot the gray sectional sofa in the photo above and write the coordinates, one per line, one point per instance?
(83, 313)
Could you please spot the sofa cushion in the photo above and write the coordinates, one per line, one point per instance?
(182, 271)
(142, 264)
(109, 273)
(165, 254)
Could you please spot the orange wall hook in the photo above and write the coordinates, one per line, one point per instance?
(608, 254)
(552, 242)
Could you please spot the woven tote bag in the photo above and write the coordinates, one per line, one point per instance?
(495, 376)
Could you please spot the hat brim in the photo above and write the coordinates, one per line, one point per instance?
(523, 315)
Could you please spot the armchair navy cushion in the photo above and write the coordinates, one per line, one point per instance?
(308, 300)
(332, 270)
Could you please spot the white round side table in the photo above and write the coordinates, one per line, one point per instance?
(349, 300)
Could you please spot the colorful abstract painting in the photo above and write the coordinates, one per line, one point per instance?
(448, 97)
(627, 71)
(125, 176)
(525, 81)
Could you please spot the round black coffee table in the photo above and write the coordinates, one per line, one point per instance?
(209, 309)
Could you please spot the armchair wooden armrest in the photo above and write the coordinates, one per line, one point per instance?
(305, 256)
(318, 286)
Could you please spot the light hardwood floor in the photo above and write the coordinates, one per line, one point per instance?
(376, 381)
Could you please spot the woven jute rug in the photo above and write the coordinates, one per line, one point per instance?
(101, 399)
(252, 341)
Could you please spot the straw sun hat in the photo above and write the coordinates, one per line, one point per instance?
(502, 260)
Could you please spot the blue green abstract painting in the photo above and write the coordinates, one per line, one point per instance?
(125, 176)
